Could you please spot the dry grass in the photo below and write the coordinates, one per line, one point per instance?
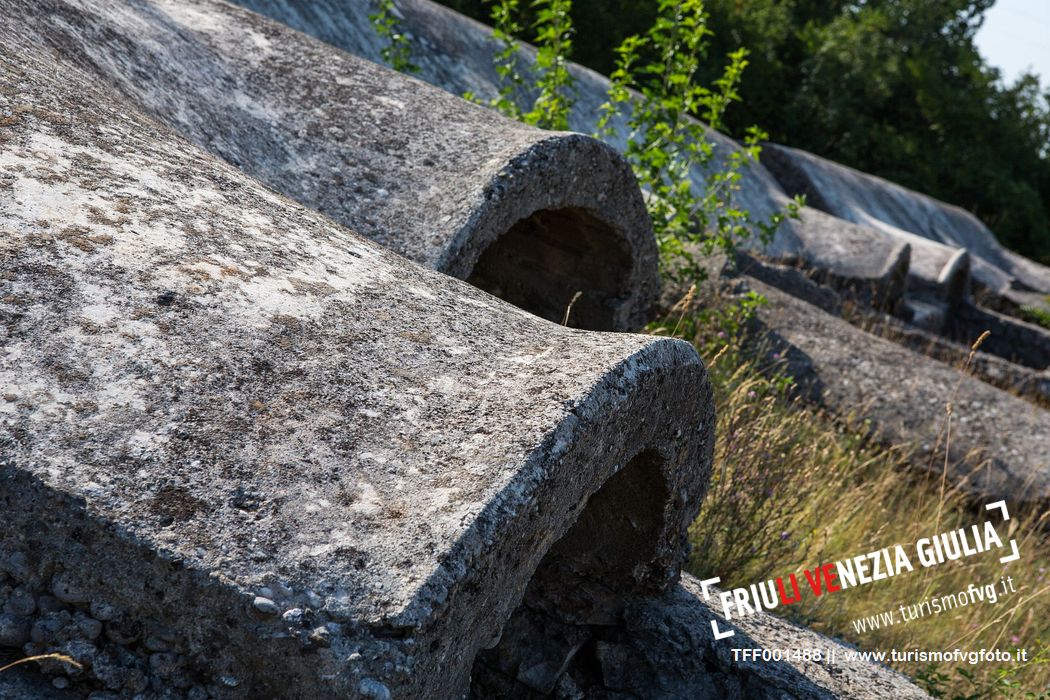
(793, 488)
(43, 657)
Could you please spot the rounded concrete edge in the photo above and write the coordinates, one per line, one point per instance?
(577, 172)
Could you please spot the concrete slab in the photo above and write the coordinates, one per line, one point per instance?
(998, 440)
(249, 453)
(534, 217)
(872, 201)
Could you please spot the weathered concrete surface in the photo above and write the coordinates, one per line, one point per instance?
(529, 215)
(666, 649)
(1007, 335)
(854, 259)
(871, 201)
(1018, 341)
(25, 682)
(455, 53)
(856, 374)
(245, 450)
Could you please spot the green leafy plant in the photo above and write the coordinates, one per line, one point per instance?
(550, 87)
(387, 23)
(667, 148)
(1001, 682)
(1036, 314)
(668, 114)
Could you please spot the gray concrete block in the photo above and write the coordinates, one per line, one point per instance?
(531, 216)
(872, 201)
(455, 53)
(247, 452)
(998, 440)
(853, 258)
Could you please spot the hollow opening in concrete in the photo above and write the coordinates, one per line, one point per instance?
(545, 259)
(576, 597)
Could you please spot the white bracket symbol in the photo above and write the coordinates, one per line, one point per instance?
(1001, 505)
(719, 634)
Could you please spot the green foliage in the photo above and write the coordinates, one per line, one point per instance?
(900, 90)
(505, 27)
(398, 51)
(549, 84)
(1037, 315)
(1003, 682)
(666, 148)
(896, 88)
(553, 42)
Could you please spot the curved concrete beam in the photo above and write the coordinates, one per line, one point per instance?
(532, 216)
(872, 201)
(455, 53)
(295, 458)
(998, 445)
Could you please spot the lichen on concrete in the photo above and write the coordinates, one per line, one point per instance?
(314, 463)
(422, 172)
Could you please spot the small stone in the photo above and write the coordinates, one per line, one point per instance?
(155, 643)
(83, 652)
(122, 631)
(266, 606)
(21, 602)
(103, 611)
(17, 565)
(48, 604)
(67, 591)
(320, 636)
(197, 692)
(60, 682)
(89, 627)
(48, 629)
(135, 681)
(14, 630)
(107, 670)
(371, 688)
(293, 616)
(164, 664)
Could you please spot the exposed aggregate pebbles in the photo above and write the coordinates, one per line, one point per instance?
(118, 655)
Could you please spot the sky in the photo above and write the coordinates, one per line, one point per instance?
(1016, 36)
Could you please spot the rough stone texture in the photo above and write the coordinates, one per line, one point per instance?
(529, 215)
(666, 649)
(213, 395)
(25, 683)
(871, 201)
(1011, 338)
(1033, 384)
(455, 53)
(903, 394)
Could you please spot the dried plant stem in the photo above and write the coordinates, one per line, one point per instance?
(43, 657)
